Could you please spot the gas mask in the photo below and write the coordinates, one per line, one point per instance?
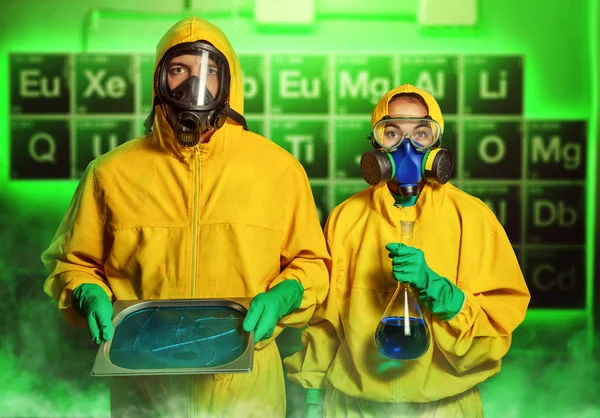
(193, 81)
(407, 152)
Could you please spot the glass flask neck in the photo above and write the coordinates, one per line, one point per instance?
(406, 232)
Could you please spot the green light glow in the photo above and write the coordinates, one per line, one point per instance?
(547, 373)
(592, 160)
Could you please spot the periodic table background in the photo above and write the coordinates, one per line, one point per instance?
(67, 109)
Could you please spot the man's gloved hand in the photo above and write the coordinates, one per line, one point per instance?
(267, 308)
(92, 302)
(314, 403)
(439, 295)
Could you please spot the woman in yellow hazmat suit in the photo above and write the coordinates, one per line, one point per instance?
(470, 286)
(199, 207)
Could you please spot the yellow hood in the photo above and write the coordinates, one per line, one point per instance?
(194, 29)
(381, 109)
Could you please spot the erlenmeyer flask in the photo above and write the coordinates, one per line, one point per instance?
(403, 333)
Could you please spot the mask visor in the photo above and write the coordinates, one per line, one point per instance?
(193, 77)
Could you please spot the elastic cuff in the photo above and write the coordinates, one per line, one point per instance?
(315, 396)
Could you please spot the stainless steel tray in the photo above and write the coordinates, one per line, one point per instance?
(182, 336)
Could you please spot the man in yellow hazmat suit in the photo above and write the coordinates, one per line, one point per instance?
(199, 207)
(462, 266)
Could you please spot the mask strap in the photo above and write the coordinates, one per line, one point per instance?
(239, 119)
(150, 119)
(235, 116)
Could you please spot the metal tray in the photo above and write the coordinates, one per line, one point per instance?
(183, 336)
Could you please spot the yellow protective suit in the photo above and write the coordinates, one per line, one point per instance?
(463, 241)
(229, 218)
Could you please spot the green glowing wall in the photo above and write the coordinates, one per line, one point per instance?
(554, 50)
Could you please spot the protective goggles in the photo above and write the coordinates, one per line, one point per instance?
(423, 132)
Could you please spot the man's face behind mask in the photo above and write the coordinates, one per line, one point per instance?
(193, 83)
(198, 73)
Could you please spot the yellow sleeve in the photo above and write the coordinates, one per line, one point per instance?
(304, 255)
(496, 302)
(321, 339)
(77, 252)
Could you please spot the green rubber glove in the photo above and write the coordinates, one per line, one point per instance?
(267, 308)
(92, 302)
(313, 405)
(438, 294)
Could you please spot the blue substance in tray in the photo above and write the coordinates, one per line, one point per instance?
(175, 337)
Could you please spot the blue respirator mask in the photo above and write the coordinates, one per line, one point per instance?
(407, 152)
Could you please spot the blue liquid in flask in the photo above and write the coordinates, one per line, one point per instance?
(393, 343)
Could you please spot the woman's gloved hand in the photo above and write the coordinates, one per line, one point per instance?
(267, 308)
(91, 301)
(438, 294)
(314, 403)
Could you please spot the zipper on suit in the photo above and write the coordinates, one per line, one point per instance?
(195, 233)
(195, 214)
